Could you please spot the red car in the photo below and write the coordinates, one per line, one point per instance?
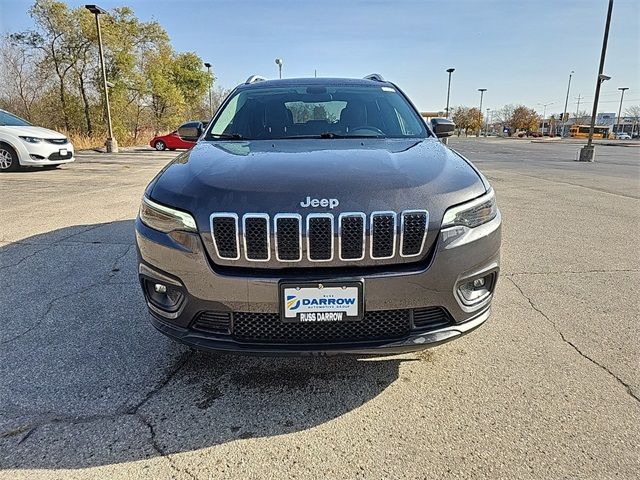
(172, 141)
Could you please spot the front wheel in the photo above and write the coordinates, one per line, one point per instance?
(8, 159)
(160, 145)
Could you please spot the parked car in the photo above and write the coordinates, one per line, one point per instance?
(622, 136)
(318, 215)
(24, 144)
(173, 141)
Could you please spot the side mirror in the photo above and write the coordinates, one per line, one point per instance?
(190, 134)
(442, 127)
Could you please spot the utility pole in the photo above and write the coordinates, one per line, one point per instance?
(578, 106)
(622, 89)
(481, 90)
(587, 152)
(486, 130)
(566, 102)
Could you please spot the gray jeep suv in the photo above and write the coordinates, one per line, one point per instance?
(318, 216)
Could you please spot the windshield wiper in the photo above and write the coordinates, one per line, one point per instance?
(327, 135)
(227, 136)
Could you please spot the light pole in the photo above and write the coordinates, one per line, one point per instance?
(208, 65)
(111, 143)
(622, 89)
(449, 71)
(544, 114)
(486, 129)
(481, 90)
(587, 152)
(279, 62)
(566, 102)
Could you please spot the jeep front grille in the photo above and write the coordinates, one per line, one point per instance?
(319, 237)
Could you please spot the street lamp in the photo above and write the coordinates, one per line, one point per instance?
(622, 89)
(587, 152)
(566, 101)
(279, 62)
(481, 90)
(486, 130)
(449, 71)
(544, 115)
(111, 144)
(208, 65)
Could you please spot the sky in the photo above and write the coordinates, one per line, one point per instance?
(521, 52)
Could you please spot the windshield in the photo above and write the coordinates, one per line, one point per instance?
(8, 120)
(317, 112)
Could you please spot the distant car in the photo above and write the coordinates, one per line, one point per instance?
(172, 141)
(23, 144)
(622, 136)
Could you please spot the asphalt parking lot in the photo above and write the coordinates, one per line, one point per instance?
(548, 388)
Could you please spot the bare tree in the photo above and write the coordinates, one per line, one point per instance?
(20, 81)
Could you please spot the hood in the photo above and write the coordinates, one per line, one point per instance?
(275, 176)
(32, 131)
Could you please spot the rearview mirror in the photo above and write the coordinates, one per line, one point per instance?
(442, 127)
(190, 134)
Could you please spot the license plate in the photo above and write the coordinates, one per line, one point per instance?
(321, 302)
(63, 151)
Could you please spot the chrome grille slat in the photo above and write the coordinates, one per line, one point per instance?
(224, 231)
(320, 237)
(351, 236)
(287, 233)
(383, 235)
(257, 238)
(413, 232)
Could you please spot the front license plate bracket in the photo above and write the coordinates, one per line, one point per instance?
(317, 302)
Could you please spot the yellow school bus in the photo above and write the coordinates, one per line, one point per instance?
(582, 131)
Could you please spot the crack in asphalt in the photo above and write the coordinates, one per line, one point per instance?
(102, 281)
(562, 272)
(132, 411)
(156, 446)
(48, 310)
(12, 265)
(626, 386)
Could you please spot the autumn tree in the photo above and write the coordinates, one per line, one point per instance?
(51, 73)
(467, 118)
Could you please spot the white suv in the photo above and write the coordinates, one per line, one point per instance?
(23, 144)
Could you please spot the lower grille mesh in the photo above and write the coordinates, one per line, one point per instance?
(431, 317)
(214, 322)
(268, 328)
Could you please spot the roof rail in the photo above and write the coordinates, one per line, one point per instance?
(254, 79)
(376, 77)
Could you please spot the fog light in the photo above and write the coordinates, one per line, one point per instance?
(165, 297)
(477, 290)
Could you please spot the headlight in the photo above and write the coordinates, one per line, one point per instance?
(165, 219)
(31, 139)
(473, 213)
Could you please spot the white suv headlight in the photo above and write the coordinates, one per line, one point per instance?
(165, 219)
(471, 214)
(31, 139)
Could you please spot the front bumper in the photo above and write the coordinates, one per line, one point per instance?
(180, 259)
(43, 153)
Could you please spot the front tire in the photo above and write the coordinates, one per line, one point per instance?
(160, 146)
(8, 159)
